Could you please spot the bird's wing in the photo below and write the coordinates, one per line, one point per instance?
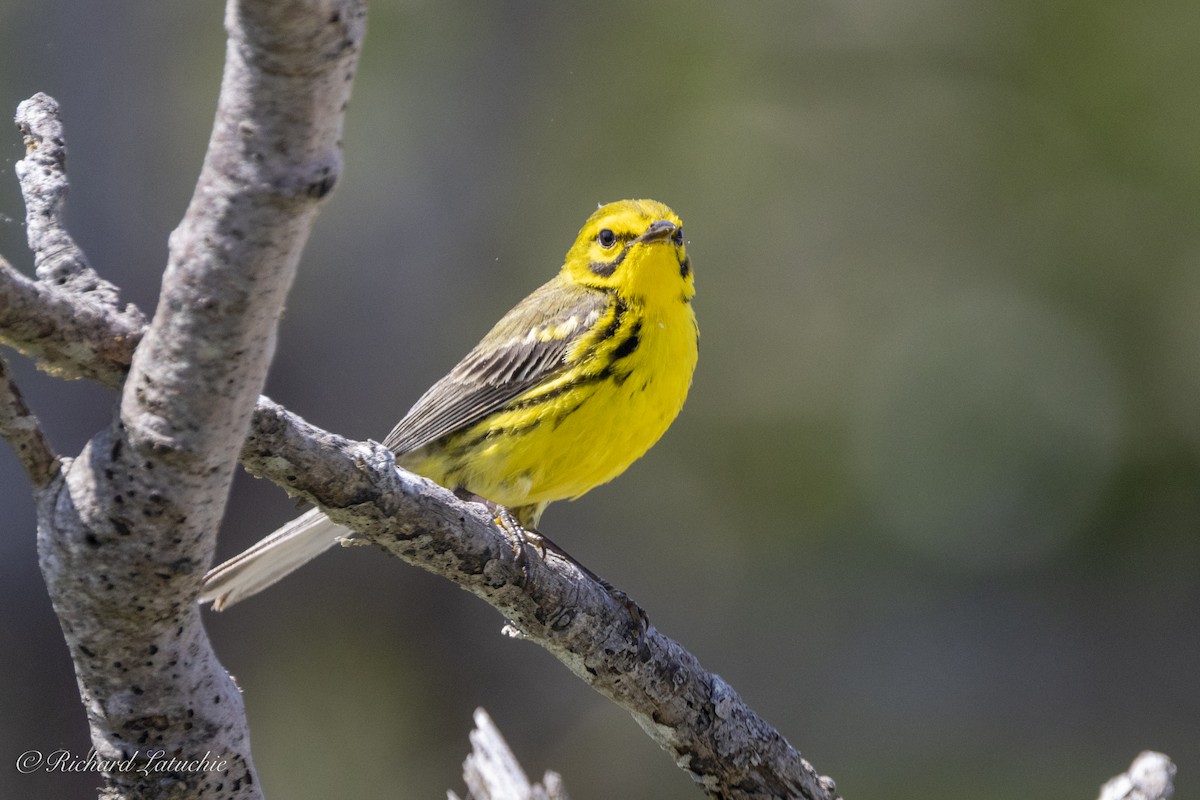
(527, 346)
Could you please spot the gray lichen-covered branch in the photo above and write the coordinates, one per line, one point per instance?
(126, 529)
(21, 429)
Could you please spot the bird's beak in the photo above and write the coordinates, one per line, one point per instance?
(658, 231)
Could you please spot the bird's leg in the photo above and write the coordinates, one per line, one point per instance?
(507, 521)
(523, 537)
(545, 544)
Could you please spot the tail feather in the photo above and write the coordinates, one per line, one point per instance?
(271, 559)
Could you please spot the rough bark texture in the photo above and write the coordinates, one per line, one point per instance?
(68, 335)
(43, 176)
(127, 529)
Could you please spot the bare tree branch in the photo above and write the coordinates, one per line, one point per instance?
(66, 335)
(127, 528)
(1151, 776)
(21, 429)
(44, 185)
(693, 714)
(492, 772)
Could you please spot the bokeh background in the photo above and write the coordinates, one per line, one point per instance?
(933, 506)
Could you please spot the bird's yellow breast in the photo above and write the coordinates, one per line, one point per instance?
(587, 426)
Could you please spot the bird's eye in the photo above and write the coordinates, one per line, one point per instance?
(677, 236)
(606, 238)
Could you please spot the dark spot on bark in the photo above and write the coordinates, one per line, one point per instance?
(319, 189)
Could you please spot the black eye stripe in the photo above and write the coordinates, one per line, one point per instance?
(606, 268)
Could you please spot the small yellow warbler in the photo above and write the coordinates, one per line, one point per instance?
(568, 389)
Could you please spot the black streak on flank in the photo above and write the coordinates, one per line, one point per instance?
(685, 267)
(619, 309)
(631, 342)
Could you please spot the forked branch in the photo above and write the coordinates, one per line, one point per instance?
(126, 529)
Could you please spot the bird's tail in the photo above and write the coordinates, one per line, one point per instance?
(271, 559)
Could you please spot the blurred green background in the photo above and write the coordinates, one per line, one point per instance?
(933, 505)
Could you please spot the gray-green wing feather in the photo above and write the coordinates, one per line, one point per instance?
(511, 359)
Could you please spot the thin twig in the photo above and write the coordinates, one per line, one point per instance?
(24, 433)
(45, 319)
(43, 177)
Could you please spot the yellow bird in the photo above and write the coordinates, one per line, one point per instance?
(568, 389)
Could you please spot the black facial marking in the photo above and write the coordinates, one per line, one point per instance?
(606, 268)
